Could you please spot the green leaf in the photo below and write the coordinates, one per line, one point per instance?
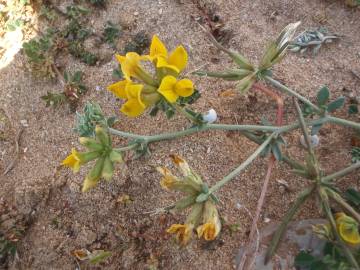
(99, 256)
(275, 148)
(323, 96)
(315, 129)
(352, 196)
(353, 109)
(304, 259)
(77, 77)
(336, 104)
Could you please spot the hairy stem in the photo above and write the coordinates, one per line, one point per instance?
(284, 223)
(337, 198)
(291, 92)
(341, 173)
(243, 165)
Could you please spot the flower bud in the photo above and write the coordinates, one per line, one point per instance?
(115, 156)
(210, 116)
(90, 143)
(102, 136)
(108, 169)
(94, 175)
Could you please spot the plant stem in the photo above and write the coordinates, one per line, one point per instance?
(127, 148)
(289, 215)
(336, 197)
(343, 122)
(293, 163)
(186, 114)
(341, 173)
(326, 206)
(291, 92)
(244, 260)
(243, 165)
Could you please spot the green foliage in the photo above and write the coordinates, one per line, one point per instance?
(12, 25)
(73, 88)
(117, 73)
(98, 3)
(322, 100)
(311, 39)
(92, 116)
(333, 259)
(355, 154)
(48, 13)
(138, 43)
(76, 49)
(54, 99)
(353, 197)
(111, 33)
(40, 53)
(76, 11)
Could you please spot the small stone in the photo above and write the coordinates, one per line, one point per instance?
(267, 220)
(314, 141)
(24, 123)
(160, 11)
(97, 88)
(136, 13)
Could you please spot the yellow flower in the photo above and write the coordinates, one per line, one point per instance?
(169, 180)
(172, 89)
(131, 68)
(177, 60)
(212, 225)
(73, 160)
(134, 106)
(183, 232)
(347, 228)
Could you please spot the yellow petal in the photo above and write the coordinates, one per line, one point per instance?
(133, 91)
(183, 232)
(207, 231)
(120, 58)
(349, 233)
(133, 108)
(184, 88)
(72, 161)
(118, 89)
(166, 88)
(161, 62)
(178, 58)
(157, 48)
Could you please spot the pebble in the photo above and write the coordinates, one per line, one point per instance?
(136, 13)
(24, 123)
(160, 11)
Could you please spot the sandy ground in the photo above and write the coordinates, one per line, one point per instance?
(64, 219)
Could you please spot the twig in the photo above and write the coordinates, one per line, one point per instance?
(271, 164)
(17, 150)
(60, 76)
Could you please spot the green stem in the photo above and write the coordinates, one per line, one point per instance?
(243, 165)
(127, 148)
(293, 163)
(343, 122)
(291, 92)
(337, 198)
(284, 223)
(186, 114)
(348, 254)
(341, 173)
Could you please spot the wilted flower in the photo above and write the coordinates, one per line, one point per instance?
(212, 225)
(192, 185)
(210, 116)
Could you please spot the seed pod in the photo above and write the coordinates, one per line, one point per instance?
(88, 156)
(115, 156)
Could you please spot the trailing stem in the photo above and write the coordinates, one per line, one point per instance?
(271, 163)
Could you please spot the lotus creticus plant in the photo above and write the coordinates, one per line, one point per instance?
(203, 217)
(99, 149)
(142, 89)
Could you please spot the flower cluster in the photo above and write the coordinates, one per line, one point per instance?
(203, 217)
(99, 149)
(346, 227)
(141, 89)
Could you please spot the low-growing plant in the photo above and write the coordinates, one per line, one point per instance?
(164, 88)
(73, 88)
